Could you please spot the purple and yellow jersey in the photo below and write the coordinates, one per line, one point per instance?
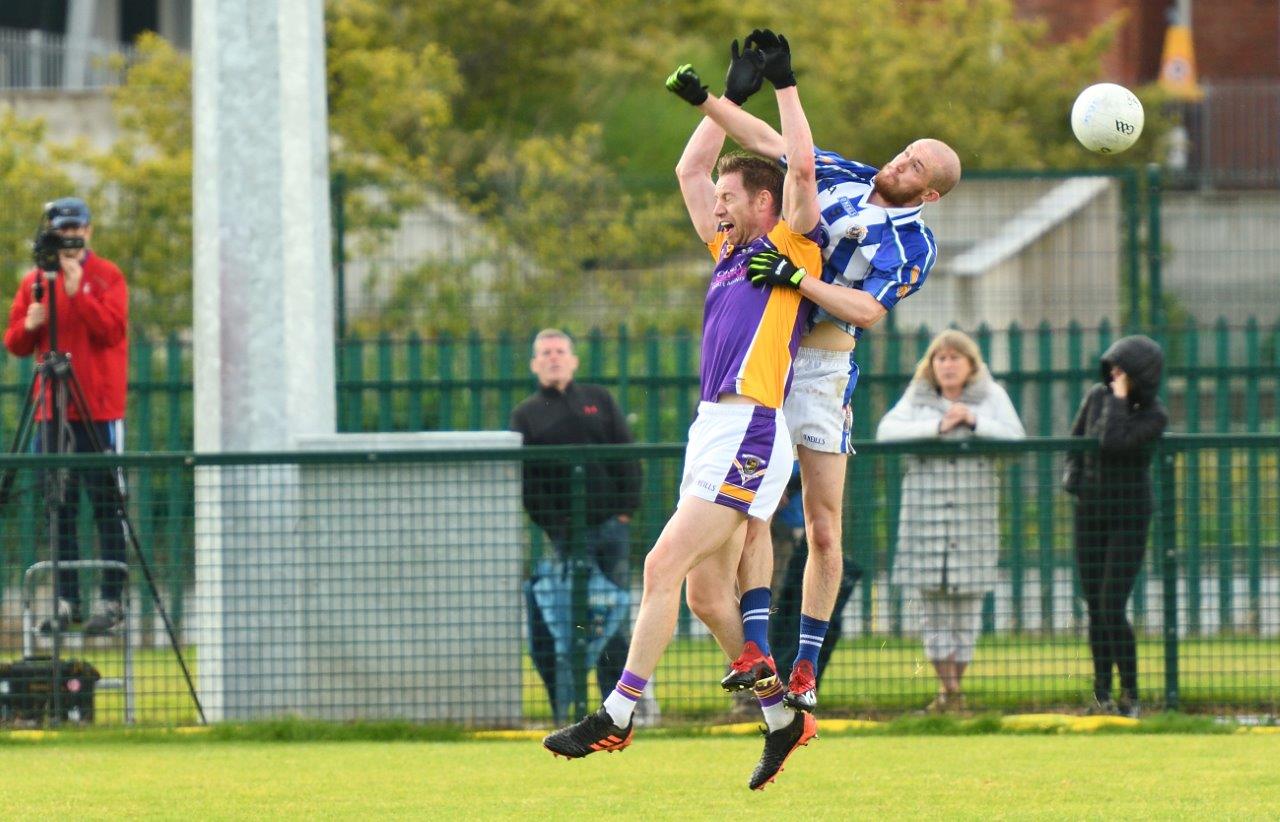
(750, 335)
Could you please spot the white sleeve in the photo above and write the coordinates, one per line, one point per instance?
(996, 418)
(906, 421)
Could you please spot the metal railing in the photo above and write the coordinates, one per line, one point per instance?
(1231, 136)
(36, 60)
(346, 585)
(1219, 378)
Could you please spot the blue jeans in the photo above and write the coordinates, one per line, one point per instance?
(608, 545)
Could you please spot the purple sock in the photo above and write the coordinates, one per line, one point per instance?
(776, 714)
(621, 701)
(770, 695)
(630, 686)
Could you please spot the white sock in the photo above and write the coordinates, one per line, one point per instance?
(777, 717)
(620, 708)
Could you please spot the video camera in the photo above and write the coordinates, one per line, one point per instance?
(47, 246)
(49, 243)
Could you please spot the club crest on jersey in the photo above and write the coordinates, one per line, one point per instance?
(856, 232)
(750, 467)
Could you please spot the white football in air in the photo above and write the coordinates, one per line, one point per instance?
(1107, 118)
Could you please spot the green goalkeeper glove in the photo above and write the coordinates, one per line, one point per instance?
(769, 268)
(685, 84)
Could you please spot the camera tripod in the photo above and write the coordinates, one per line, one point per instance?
(54, 388)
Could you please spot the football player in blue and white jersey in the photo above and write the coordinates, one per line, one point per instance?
(876, 251)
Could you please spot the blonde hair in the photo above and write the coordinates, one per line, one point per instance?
(957, 341)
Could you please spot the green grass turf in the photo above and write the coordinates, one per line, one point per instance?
(1149, 777)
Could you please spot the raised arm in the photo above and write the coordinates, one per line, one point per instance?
(800, 187)
(746, 129)
(1125, 429)
(694, 173)
(744, 78)
(699, 157)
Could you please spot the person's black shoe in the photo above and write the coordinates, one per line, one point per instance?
(750, 669)
(67, 616)
(779, 745)
(1127, 706)
(107, 620)
(596, 732)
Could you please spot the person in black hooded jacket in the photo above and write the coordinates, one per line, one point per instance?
(1112, 486)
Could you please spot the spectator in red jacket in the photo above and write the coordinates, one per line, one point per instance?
(92, 304)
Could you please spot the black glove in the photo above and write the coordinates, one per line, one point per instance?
(685, 84)
(772, 269)
(777, 57)
(744, 77)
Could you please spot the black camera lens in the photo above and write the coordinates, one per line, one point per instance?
(47, 246)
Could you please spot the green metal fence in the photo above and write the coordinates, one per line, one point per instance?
(1220, 378)
(392, 585)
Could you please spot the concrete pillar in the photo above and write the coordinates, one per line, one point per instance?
(75, 59)
(264, 356)
(174, 22)
(263, 340)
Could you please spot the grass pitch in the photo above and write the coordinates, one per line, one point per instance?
(840, 777)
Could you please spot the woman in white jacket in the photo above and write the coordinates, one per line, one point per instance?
(948, 527)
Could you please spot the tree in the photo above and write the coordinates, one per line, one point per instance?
(143, 187)
(550, 132)
(523, 156)
(965, 71)
(559, 238)
(31, 174)
(390, 107)
(880, 74)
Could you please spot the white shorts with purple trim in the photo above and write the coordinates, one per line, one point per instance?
(817, 408)
(738, 456)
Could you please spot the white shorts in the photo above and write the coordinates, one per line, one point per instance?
(818, 412)
(738, 456)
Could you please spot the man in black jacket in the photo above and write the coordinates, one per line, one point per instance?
(564, 412)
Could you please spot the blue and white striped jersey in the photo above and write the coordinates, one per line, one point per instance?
(886, 252)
